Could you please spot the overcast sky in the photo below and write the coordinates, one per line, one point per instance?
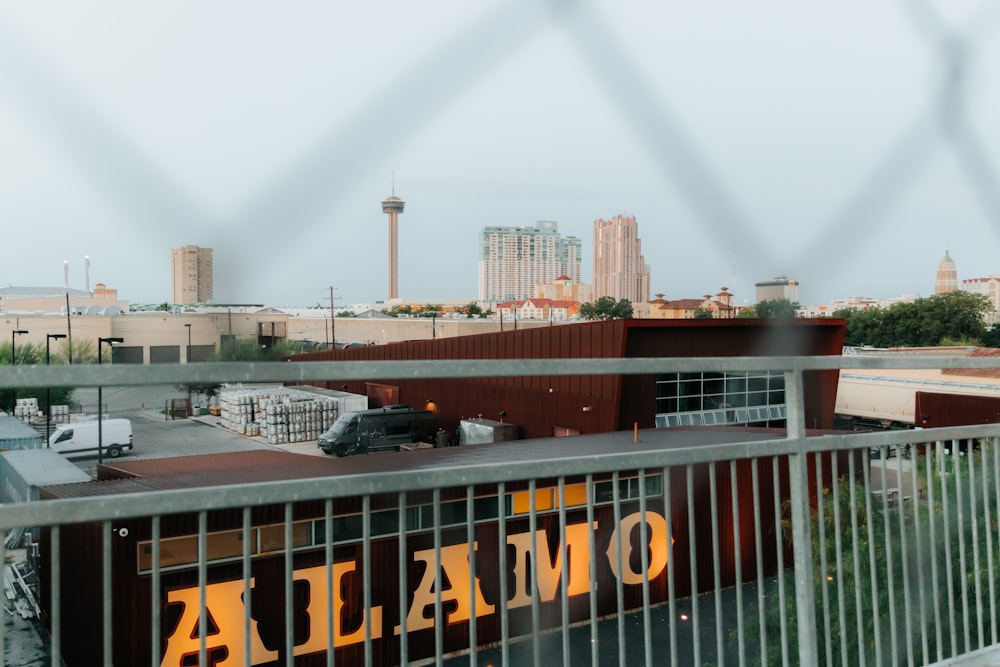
(750, 140)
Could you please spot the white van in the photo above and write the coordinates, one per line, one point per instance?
(81, 437)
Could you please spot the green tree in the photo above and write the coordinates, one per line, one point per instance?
(747, 312)
(992, 337)
(778, 309)
(702, 313)
(606, 308)
(949, 318)
(33, 354)
(472, 309)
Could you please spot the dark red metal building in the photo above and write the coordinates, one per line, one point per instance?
(544, 406)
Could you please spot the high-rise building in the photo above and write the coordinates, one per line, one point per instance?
(514, 260)
(778, 288)
(947, 275)
(192, 274)
(620, 270)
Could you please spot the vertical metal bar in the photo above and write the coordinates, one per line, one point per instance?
(890, 578)
(438, 610)
(106, 574)
(960, 520)
(780, 552)
(985, 453)
(563, 574)
(331, 637)
(470, 538)
(839, 549)
(155, 595)
(904, 555)
(918, 542)
(647, 631)
(671, 596)
(856, 553)
(932, 469)
(502, 560)
(798, 478)
(404, 593)
(693, 553)
(289, 590)
(759, 553)
(55, 627)
(738, 553)
(3, 620)
(872, 563)
(619, 589)
(713, 496)
(536, 648)
(366, 555)
(824, 568)
(202, 587)
(247, 576)
(592, 590)
(946, 514)
(974, 521)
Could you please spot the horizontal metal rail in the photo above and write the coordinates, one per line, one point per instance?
(931, 509)
(251, 372)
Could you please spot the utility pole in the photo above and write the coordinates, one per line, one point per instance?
(333, 321)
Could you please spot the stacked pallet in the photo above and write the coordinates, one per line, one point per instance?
(278, 414)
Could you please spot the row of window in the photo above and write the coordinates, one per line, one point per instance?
(227, 545)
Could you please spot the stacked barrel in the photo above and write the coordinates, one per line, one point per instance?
(278, 414)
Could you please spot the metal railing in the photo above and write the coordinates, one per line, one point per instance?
(882, 562)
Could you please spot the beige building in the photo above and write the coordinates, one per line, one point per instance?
(946, 279)
(22, 300)
(565, 289)
(191, 268)
(620, 270)
(721, 307)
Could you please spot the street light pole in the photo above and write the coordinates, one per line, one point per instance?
(13, 391)
(48, 390)
(187, 360)
(100, 418)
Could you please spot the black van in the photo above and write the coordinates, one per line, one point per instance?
(377, 430)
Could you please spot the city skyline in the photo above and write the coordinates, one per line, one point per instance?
(743, 163)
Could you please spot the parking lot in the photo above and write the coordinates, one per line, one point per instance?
(156, 436)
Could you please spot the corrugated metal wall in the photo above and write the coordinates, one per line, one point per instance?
(540, 404)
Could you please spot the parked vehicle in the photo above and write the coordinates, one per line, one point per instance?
(81, 437)
(378, 430)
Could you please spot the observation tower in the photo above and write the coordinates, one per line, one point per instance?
(393, 206)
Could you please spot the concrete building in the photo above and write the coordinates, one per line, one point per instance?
(514, 260)
(191, 268)
(990, 288)
(947, 275)
(565, 289)
(33, 300)
(620, 270)
(778, 288)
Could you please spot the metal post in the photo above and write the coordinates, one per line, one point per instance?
(187, 360)
(798, 479)
(100, 397)
(48, 390)
(13, 391)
